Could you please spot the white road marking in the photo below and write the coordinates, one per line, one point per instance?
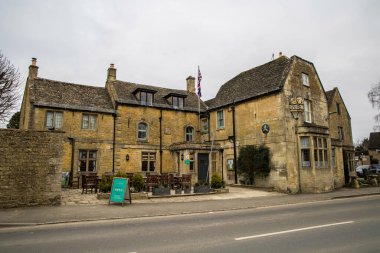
(293, 230)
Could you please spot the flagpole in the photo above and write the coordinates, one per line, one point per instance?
(199, 100)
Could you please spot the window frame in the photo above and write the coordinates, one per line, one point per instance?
(54, 119)
(220, 120)
(150, 160)
(189, 136)
(321, 158)
(146, 98)
(89, 117)
(305, 79)
(176, 102)
(305, 152)
(87, 160)
(204, 124)
(307, 111)
(141, 131)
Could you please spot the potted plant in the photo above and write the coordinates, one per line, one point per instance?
(161, 190)
(201, 187)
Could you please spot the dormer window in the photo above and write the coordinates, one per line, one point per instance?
(178, 102)
(146, 98)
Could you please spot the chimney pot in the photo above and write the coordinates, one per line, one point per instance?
(34, 61)
(112, 65)
(111, 75)
(33, 68)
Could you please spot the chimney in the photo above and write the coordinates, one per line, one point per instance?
(111, 73)
(33, 68)
(190, 81)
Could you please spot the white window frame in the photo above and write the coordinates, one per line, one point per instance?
(142, 131)
(305, 79)
(220, 120)
(55, 119)
(89, 121)
(307, 111)
(189, 136)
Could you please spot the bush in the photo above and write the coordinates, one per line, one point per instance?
(217, 182)
(121, 174)
(137, 182)
(105, 184)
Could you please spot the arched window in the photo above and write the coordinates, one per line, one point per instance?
(142, 130)
(189, 133)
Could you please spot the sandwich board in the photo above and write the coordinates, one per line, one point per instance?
(120, 191)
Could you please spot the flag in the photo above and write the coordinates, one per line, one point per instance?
(199, 83)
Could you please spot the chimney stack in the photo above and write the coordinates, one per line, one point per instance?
(33, 68)
(111, 73)
(190, 81)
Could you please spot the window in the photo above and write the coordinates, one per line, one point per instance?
(189, 133)
(338, 108)
(340, 133)
(87, 160)
(53, 120)
(305, 79)
(191, 165)
(320, 152)
(307, 110)
(230, 164)
(148, 161)
(204, 125)
(305, 152)
(178, 102)
(213, 162)
(333, 157)
(88, 121)
(142, 130)
(146, 98)
(220, 119)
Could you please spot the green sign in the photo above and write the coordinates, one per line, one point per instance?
(119, 189)
(187, 161)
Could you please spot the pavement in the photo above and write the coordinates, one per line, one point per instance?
(77, 207)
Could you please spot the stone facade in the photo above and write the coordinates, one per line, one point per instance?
(30, 168)
(142, 128)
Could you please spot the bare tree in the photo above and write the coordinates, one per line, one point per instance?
(374, 98)
(9, 88)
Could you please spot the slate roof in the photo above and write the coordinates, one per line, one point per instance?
(264, 79)
(56, 94)
(125, 95)
(374, 140)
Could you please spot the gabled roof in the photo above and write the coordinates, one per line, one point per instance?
(56, 94)
(374, 140)
(330, 98)
(125, 95)
(264, 79)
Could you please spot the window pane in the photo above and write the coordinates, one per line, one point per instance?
(58, 120)
(92, 165)
(85, 121)
(305, 142)
(92, 154)
(143, 98)
(92, 121)
(175, 102)
(305, 157)
(191, 166)
(142, 127)
(316, 164)
(152, 166)
(82, 165)
(180, 103)
(144, 166)
(49, 119)
(152, 156)
(149, 98)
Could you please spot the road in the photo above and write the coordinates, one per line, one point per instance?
(345, 225)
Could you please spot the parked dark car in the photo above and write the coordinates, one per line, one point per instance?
(359, 170)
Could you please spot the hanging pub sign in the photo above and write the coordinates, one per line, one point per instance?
(120, 191)
(296, 104)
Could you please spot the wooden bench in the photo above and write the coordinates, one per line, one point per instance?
(90, 182)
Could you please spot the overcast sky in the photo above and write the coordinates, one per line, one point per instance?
(162, 42)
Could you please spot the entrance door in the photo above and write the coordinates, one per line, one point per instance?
(346, 167)
(203, 167)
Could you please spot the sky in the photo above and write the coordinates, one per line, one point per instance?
(161, 43)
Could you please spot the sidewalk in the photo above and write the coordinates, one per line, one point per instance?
(238, 198)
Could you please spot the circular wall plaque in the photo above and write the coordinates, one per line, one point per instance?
(265, 128)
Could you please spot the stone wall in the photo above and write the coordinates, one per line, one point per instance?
(30, 168)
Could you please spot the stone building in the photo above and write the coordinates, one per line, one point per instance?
(139, 128)
(342, 147)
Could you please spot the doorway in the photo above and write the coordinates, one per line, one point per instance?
(203, 162)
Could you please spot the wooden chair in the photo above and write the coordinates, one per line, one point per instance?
(186, 181)
(89, 182)
(151, 181)
(164, 179)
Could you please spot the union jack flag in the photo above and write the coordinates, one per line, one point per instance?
(199, 83)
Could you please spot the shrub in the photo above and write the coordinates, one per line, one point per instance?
(121, 174)
(105, 184)
(217, 182)
(137, 182)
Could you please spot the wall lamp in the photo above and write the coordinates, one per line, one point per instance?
(182, 157)
(127, 157)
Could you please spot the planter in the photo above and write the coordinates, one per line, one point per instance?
(201, 189)
(161, 191)
(178, 191)
(187, 190)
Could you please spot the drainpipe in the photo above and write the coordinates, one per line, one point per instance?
(208, 127)
(72, 142)
(222, 163)
(114, 138)
(160, 118)
(234, 135)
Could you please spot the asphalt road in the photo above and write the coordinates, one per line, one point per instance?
(345, 225)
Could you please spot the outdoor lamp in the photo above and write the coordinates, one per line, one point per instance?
(181, 157)
(127, 157)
